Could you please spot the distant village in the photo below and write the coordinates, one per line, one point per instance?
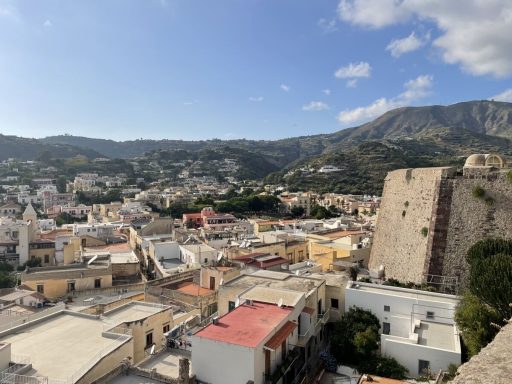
(208, 279)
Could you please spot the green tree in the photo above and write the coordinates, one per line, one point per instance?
(297, 211)
(366, 342)
(474, 319)
(354, 321)
(490, 274)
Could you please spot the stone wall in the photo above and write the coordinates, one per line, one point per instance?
(472, 219)
(441, 201)
(409, 204)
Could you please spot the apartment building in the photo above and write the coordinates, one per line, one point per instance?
(417, 327)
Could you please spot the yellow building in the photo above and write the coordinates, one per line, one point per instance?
(63, 281)
(350, 247)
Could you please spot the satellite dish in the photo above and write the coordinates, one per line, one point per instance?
(221, 282)
(92, 260)
(152, 351)
(280, 303)
(237, 302)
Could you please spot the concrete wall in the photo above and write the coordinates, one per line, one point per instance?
(220, 363)
(105, 365)
(153, 323)
(409, 354)
(5, 355)
(398, 243)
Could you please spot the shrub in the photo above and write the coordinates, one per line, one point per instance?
(509, 176)
(406, 204)
(489, 200)
(478, 192)
(403, 213)
(424, 231)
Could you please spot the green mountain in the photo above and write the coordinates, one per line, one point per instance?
(404, 137)
(31, 149)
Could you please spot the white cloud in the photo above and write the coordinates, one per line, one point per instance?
(8, 10)
(327, 91)
(285, 87)
(327, 26)
(373, 13)
(315, 106)
(475, 34)
(415, 89)
(189, 103)
(256, 99)
(47, 24)
(506, 95)
(351, 83)
(398, 47)
(361, 69)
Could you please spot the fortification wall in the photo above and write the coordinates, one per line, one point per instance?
(409, 203)
(472, 219)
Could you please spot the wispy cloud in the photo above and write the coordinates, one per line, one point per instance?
(351, 83)
(354, 70)
(315, 106)
(410, 43)
(327, 26)
(326, 92)
(256, 99)
(8, 10)
(48, 24)
(285, 87)
(506, 95)
(189, 103)
(415, 89)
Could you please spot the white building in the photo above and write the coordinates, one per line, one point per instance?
(329, 169)
(248, 343)
(418, 328)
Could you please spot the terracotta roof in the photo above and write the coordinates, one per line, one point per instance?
(193, 289)
(378, 380)
(281, 335)
(112, 248)
(246, 325)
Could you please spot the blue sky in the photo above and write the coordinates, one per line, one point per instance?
(190, 69)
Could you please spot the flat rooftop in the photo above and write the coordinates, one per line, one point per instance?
(273, 295)
(275, 280)
(65, 336)
(403, 292)
(167, 363)
(133, 311)
(437, 335)
(190, 288)
(246, 325)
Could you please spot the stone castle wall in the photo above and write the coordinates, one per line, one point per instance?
(443, 202)
(409, 204)
(472, 219)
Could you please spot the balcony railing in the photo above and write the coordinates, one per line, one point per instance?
(281, 370)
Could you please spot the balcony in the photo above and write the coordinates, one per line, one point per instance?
(285, 373)
(323, 317)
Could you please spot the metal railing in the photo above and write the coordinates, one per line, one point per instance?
(32, 317)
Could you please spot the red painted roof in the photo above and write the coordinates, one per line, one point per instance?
(246, 325)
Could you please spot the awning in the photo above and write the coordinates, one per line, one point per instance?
(280, 336)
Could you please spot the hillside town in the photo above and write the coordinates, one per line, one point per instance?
(182, 283)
